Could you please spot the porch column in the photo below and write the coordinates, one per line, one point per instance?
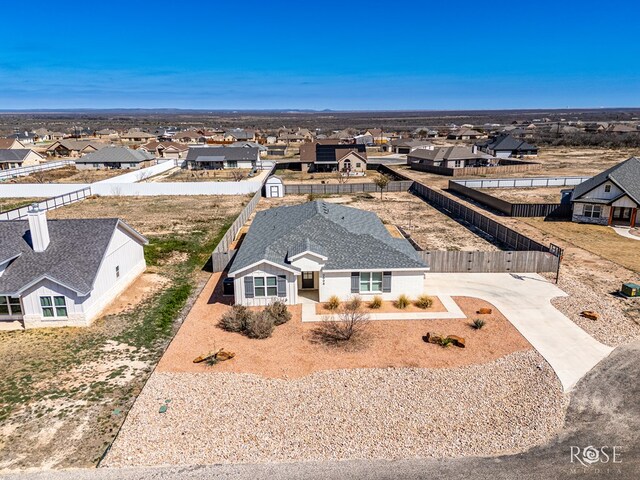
(610, 215)
(634, 214)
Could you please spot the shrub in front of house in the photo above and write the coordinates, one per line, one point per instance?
(402, 302)
(333, 303)
(235, 319)
(278, 312)
(424, 301)
(478, 323)
(260, 325)
(376, 302)
(354, 303)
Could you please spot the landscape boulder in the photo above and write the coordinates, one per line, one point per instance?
(485, 311)
(457, 341)
(590, 315)
(219, 356)
(432, 337)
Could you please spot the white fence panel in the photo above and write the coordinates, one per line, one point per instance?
(142, 174)
(30, 190)
(175, 188)
(523, 182)
(22, 171)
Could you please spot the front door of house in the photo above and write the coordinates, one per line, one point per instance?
(307, 279)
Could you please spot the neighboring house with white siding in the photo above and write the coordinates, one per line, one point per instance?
(65, 272)
(611, 197)
(322, 249)
(116, 158)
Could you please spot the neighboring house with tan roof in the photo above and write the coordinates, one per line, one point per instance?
(107, 134)
(171, 150)
(464, 134)
(137, 136)
(189, 137)
(112, 157)
(73, 148)
(10, 143)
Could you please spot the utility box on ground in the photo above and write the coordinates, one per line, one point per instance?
(630, 290)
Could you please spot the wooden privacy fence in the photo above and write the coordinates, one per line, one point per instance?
(552, 210)
(441, 261)
(49, 204)
(338, 188)
(505, 235)
(510, 166)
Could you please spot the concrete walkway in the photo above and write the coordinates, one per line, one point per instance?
(625, 232)
(525, 300)
(453, 311)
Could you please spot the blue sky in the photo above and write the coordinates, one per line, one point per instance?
(337, 55)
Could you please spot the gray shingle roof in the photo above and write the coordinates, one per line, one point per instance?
(507, 143)
(352, 239)
(116, 155)
(13, 155)
(200, 154)
(626, 175)
(447, 153)
(72, 258)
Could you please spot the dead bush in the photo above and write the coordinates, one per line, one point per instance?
(260, 325)
(235, 319)
(402, 302)
(376, 302)
(354, 303)
(278, 312)
(333, 303)
(348, 326)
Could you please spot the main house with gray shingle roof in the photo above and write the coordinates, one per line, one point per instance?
(611, 197)
(215, 158)
(321, 249)
(65, 272)
(116, 157)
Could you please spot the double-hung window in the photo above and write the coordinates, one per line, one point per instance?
(265, 286)
(370, 282)
(10, 306)
(53, 306)
(592, 211)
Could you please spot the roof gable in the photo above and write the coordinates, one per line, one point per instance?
(625, 175)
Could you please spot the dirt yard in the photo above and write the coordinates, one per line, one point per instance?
(79, 383)
(11, 203)
(429, 228)
(292, 352)
(294, 176)
(69, 174)
(225, 175)
(526, 195)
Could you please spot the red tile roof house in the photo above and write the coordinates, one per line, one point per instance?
(64, 272)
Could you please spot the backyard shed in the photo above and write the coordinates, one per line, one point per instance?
(274, 188)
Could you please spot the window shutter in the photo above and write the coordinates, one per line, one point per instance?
(355, 282)
(386, 281)
(248, 287)
(282, 286)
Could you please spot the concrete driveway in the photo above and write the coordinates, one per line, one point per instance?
(525, 299)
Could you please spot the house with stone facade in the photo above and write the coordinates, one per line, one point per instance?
(611, 197)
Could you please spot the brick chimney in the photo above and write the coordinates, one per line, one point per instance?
(38, 228)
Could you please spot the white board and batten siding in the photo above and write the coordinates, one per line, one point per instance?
(600, 192)
(265, 270)
(410, 283)
(123, 252)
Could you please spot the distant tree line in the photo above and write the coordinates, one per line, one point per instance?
(587, 139)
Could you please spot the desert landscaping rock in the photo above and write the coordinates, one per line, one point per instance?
(503, 406)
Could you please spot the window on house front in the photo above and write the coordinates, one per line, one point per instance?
(592, 211)
(265, 286)
(10, 306)
(358, 165)
(53, 306)
(232, 164)
(370, 282)
(458, 163)
(607, 188)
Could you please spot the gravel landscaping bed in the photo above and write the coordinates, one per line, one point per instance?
(503, 406)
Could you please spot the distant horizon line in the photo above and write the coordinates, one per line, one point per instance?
(304, 110)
